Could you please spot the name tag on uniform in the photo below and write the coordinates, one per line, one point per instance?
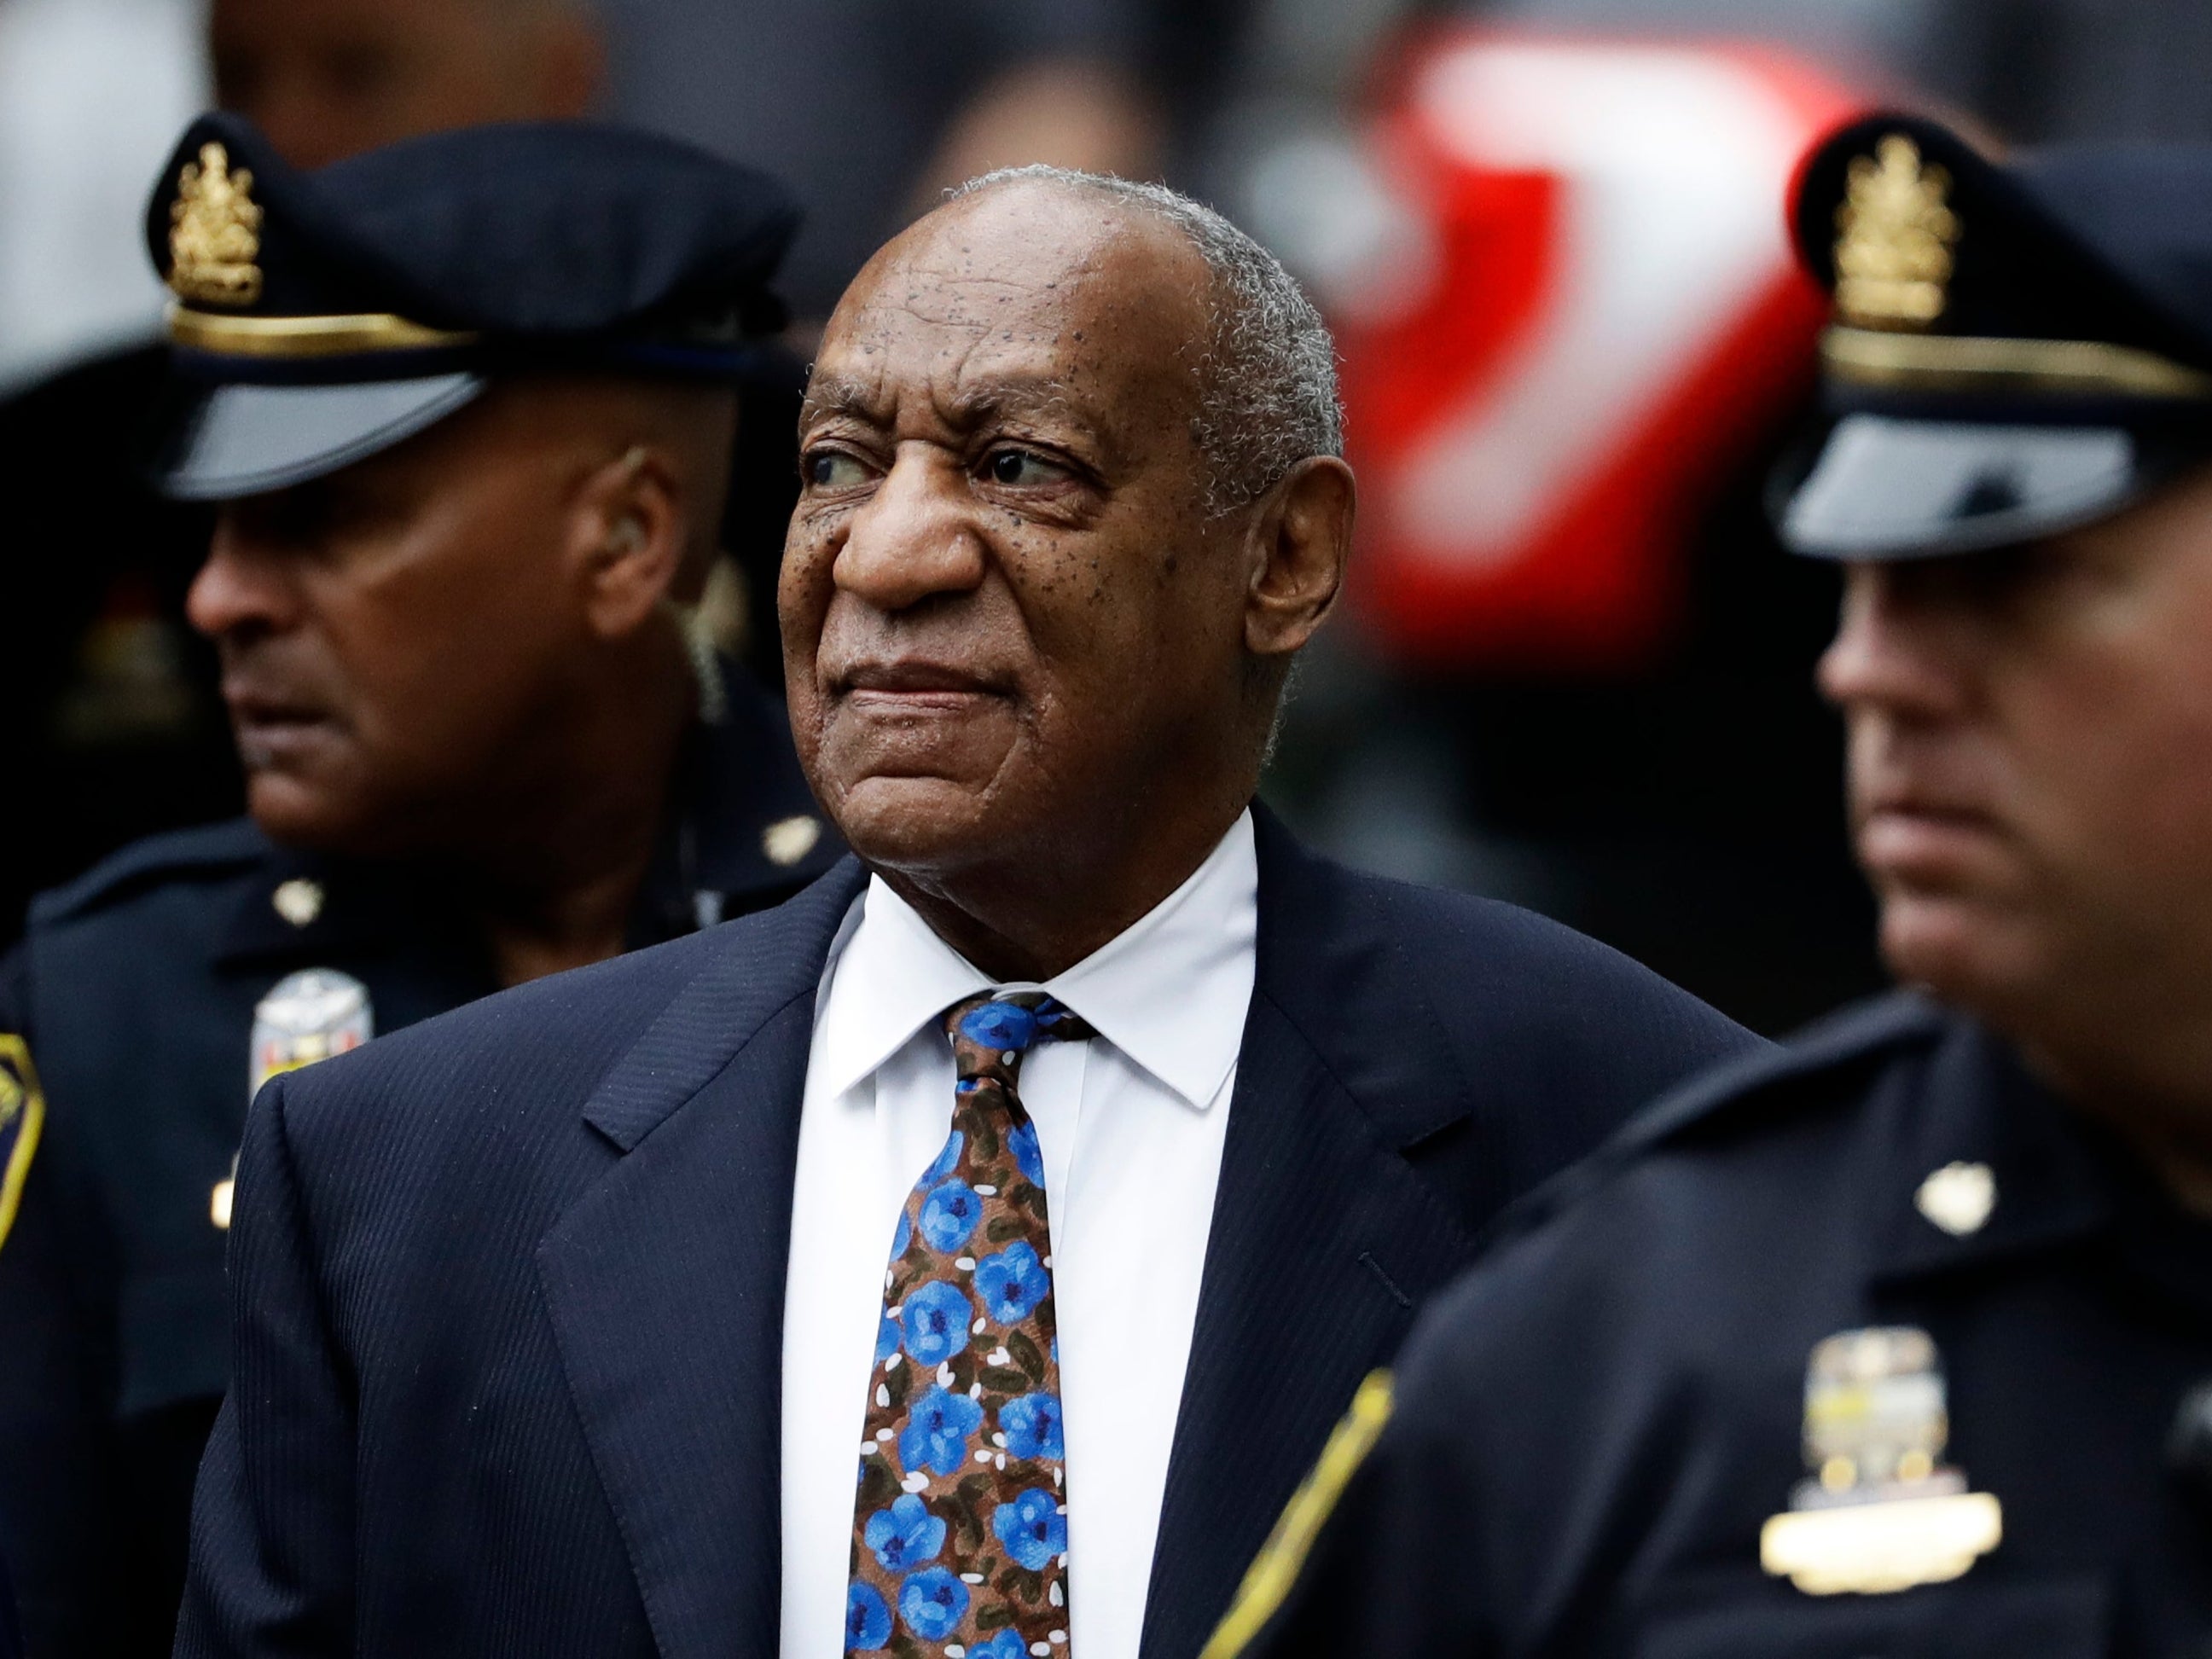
(1879, 1512)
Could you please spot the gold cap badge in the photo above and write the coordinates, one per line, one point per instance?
(214, 233)
(1882, 1511)
(1894, 254)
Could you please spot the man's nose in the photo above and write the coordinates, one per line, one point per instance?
(241, 589)
(916, 538)
(1895, 650)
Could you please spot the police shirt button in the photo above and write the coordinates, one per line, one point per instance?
(298, 901)
(1958, 1198)
(789, 840)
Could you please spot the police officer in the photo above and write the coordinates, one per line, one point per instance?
(114, 722)
(1896, 1342)
(464, 405)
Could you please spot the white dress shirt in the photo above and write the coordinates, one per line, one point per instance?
(1131, 1126)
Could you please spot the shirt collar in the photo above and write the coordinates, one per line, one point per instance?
(1170, 991)
(303, 907)
(893, 977)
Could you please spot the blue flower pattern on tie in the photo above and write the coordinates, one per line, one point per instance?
(935, 1438)
(935, 1322)
(947, 1161)
(1027, 1157)
(949, 1216)
(1033, 1527)
(1012, 1283)
(960, 1529)
(906, 1536)
(868, 1621)
(1031, 1425)
(1006, 1026)
(931, 1602)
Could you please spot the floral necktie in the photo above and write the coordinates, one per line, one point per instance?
(960, 1535)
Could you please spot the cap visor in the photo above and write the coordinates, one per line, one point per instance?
(1883, 487)
(245, 440)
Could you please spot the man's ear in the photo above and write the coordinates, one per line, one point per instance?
(1300, 544)
(626, 541)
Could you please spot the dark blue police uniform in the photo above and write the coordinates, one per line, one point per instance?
(136, 990)
(323, 317)
(1873, 1348)
(1587, 1441)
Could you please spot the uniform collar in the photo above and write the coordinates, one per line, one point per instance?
(1972, 1104)
(303, 906)
(745, 834)
(1170, 991)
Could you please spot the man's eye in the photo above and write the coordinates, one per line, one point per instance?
(832, 469)
(1018, 466)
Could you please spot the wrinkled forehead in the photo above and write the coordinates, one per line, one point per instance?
(1094, 309)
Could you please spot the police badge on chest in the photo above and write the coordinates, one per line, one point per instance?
(1881, 1511)
(306, 1017)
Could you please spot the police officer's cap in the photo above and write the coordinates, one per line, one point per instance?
(321, 317)
(2016, 348)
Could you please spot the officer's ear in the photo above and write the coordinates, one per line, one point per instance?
(626, 541)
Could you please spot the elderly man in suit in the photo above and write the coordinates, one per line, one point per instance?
(1056, 1166)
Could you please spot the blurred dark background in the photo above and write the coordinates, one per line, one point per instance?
(1575, 672)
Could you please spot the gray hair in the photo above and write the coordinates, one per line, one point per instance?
(1267, 395)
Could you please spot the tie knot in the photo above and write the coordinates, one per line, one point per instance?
(1007, 1025)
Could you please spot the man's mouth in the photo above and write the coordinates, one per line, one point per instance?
(914, 688)
(1905, 830)
(269, 728)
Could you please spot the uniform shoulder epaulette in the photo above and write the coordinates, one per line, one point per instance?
(1859, 1034)
(207, 850)
(1863, 1032)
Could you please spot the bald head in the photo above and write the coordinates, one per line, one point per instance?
(326, 79)
(1039, 595)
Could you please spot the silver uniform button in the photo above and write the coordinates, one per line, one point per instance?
(1958, 1198)
(789, 840)
(298, 901)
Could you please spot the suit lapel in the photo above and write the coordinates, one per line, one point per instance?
(1323, 1237)
(666, 1282)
